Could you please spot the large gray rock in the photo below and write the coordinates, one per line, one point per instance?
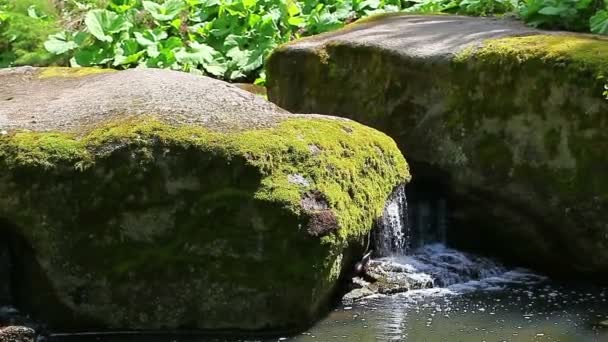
(510, 120)
(151, 199)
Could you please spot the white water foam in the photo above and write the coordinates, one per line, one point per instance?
(433, 268)
(453, 272)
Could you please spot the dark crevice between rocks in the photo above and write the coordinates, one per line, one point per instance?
(15, 259)
(12, 247)
(486, 223)
(25, 289)
(5, 272)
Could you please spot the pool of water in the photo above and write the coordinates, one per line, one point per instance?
(541, 312)
(544, 311)
(514, 306)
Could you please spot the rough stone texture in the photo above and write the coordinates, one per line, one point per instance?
(64, 102)
(17, 334)
(150, 199)
(412, 36)
(509, 120)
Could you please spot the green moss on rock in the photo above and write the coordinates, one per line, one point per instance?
(583, 53)
(193, 228)
(71, 72)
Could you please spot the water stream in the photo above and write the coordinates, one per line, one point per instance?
(394, 237)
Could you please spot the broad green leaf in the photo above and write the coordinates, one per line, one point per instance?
(32, 11)
(59, 43)
(81, 37)
(261, 80)
(551, 10)
(599, 22)
(196, 54)
(150, 37)
(235, 75)
(204, 55)
(127, 52)
(249, 3)
(167, 11)
(210, 3)
(103, 23)
(292, 8)
(122, 6)
(215, 69)
(583, 4)
(297, 21)
(93, 55)
(370, 4)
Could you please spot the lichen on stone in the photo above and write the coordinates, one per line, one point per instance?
(583, 53)
(71, 72)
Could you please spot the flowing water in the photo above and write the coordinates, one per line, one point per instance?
(394, 236)
(461, 297)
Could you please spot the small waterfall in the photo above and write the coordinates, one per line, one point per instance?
(417, 257)
(392, 234)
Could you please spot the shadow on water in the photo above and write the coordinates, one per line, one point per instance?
(541, 312)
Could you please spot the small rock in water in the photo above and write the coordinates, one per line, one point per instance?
(356, 295)
(17, 334)
(358, 283)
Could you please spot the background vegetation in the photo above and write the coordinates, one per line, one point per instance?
(226, 39)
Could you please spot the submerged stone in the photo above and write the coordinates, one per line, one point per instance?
(151, 199)
(509, 120)
(17, 334)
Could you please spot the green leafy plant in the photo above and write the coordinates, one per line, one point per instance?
(228, 39)
(469, 7)
(24, 26)
(485, 7)
(577, 15)
(599, 22)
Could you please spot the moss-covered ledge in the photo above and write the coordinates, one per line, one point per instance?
(160, 221)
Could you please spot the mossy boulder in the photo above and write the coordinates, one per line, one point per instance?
(511, 120)
(150, 199)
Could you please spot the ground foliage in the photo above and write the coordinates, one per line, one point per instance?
(226, 39)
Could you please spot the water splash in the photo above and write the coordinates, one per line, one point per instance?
(437, 270)
(392, 235)
(411, 253)
(447, 266)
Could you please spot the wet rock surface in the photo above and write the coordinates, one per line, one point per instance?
(386, 278)
(432, 266)
(18, 327)
(17, 334)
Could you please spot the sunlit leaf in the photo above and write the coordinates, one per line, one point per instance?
(103, 23)
(59, 43)
(167, 11)
(599, 22)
